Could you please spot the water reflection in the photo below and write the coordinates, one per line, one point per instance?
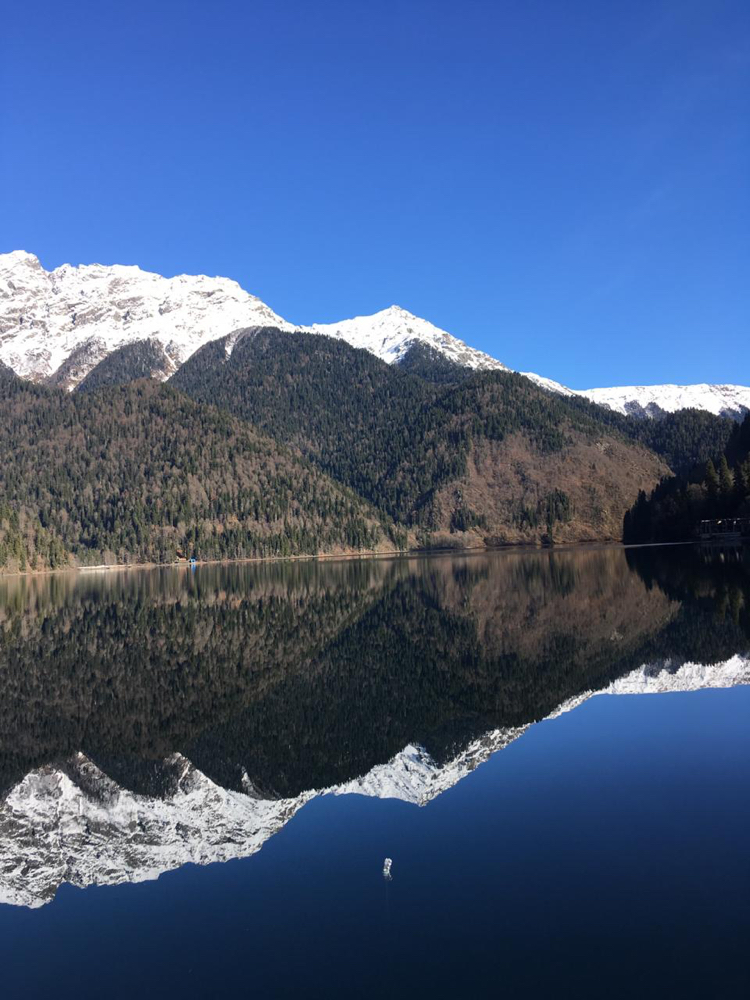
(158, 717)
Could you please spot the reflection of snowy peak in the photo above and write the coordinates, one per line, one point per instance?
(660, 678)
(52, 831)
(413, 776)
(73, 824)
(665, 677)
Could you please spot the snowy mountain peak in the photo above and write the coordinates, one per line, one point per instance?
(390, 333)
(80, 314)
(657, 400)
(19, 258)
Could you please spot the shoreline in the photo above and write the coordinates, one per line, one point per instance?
(586, 545)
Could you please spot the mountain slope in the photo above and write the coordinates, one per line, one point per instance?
(141, 359)
(681, 439)
(7, 375)
(142, 473)
(526, 460)
(674, 509)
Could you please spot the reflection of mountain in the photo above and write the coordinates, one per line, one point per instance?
(166, 717)
(136, 666)
(74, 824)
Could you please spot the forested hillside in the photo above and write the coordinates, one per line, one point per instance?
(294, 443)
(720, 488)
(682, 439)
(143, 359)
(534, 464)
(142, 473)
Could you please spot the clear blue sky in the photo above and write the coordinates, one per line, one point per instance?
(563, 183)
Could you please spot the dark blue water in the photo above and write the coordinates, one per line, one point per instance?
(601, 853)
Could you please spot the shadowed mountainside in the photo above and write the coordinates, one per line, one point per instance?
(493, 458)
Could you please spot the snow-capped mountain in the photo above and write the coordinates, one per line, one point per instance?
(58, 325)
(74, 824)
(64, 322)
(390, 334)
(76, 316)
(655, 400)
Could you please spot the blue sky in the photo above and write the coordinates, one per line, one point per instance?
(564, 184)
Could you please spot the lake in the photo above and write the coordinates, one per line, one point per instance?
(203, 772)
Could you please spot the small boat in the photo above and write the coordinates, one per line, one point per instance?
(387, 869)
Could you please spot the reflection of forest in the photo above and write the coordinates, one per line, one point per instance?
(308, 674)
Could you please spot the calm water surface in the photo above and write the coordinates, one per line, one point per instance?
(202, 774)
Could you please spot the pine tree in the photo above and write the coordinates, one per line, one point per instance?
(713, 489)
(726, 480)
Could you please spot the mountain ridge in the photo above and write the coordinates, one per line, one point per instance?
(92, 309)
(59, 325)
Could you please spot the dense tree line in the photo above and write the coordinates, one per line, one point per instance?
(429, 364)
(143, 359)
(391, 436)
(134, 472)
(142, 473)
(718, 489)
(683, 439)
